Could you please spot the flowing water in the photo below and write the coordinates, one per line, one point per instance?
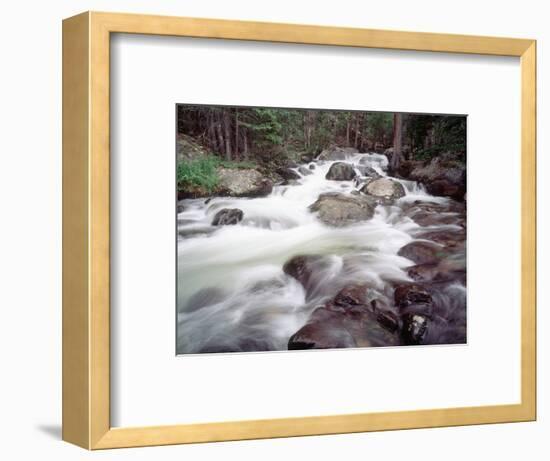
(232, 292)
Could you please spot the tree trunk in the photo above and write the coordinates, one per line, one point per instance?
(245, 145)
(221, 144)
(237, 155)
(227, 130)
(397, 142)
(356, 142)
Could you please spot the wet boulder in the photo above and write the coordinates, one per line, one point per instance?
(340, 210)
(311, 166)
(341, 171)
(301, 267)
(384, 188)
(352, 295)
(227, 217)
(321, 335)
(444, 175)
(287, 174)
(415, 329)
(331, 326)
(422, 252)
(411, 294)
(242, 182)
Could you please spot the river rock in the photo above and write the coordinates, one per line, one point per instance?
(320, 335)
(301, 267)
(422, 252)
(306, 158)
(340, 210)
(368, 171)
(415, 328)
(337, 153)
(341, 171)
(242, 182)
(332, 327)
(287, 173)
(304, 171)
(227, 216)
(444, 175)
(412, 294)
(352, 295)
(311, 166)
(384, 188)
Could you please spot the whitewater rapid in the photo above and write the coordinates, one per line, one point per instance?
(232, 293)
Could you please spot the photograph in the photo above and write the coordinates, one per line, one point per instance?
(319, 229)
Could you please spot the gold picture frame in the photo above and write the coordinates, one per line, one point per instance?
(86, 233)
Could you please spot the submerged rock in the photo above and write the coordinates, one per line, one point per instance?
(422, 252)
(384, 188)
(242, 182)
(304, 171)
(339, 210)
(341, 171)
(227, 216)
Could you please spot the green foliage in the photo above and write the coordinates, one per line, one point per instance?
(197, 173)
(380, 126)
(201, 172)
(432, 135)
(265, 126)
(263, 136)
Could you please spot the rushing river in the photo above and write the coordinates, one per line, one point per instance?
(232, 292)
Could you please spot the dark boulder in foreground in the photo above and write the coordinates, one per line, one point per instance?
(356, 317)
(341, 171)
(227, 216)
(422, 252)
(321, 335)
(384, 188)
(416, 307)
(332, 327)
(415, 329)
(340, 210)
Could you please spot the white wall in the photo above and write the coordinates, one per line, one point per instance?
(30, 239)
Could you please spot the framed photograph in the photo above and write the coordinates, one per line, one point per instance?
(276, 230)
